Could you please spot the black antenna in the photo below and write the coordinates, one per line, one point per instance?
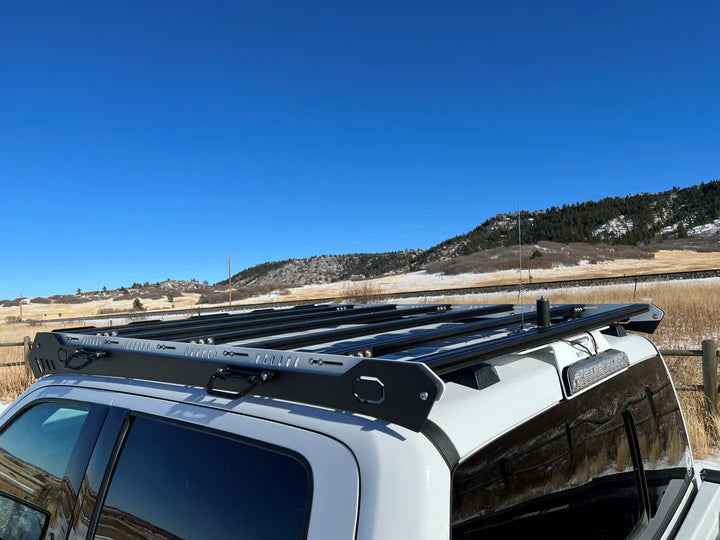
(520, 292)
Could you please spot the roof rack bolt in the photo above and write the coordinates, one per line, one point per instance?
(424, 395)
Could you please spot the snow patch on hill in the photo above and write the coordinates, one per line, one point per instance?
(615, 227)
(708, 229)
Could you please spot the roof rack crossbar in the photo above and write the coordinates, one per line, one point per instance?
(197, 320)
(307, 340)
(349, 317)
(219, 325)
(453, 360)
(393, 344)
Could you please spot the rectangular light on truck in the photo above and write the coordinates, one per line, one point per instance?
(588, 371)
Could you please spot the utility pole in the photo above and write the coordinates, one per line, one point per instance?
(20, 305)
(229, 281)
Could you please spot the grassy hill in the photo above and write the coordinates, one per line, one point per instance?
(635, 220)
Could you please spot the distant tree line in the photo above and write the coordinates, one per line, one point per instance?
(648, 213)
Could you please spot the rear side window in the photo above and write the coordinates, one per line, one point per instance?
(570, 473)
(174, 482)
(39, 468)
(662, 438)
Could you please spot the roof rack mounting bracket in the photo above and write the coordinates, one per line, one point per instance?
(394, 391)
(89, 356)
(252, 379)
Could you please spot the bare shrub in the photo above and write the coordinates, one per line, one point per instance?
(241, 293)
(361, 292)
(70, 299)
(214, 297)
(144, 296)
(248, 291)
(110, 311)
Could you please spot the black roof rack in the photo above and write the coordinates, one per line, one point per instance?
(319, 355)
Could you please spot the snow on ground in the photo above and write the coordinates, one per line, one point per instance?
(709, 462)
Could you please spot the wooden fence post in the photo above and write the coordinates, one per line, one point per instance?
(26, 349)
(710, 375)
(27, 345)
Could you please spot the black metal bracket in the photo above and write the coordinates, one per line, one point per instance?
(251, 378)
(90, 357)
(409, 389)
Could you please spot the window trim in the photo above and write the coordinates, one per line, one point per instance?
(248, 441)
(48, 515)
(120, 433)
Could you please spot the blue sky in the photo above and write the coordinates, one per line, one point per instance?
(146, 140)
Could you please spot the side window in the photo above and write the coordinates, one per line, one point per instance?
(570, 472)
(171, 481)
(662, 437)
(39, 460)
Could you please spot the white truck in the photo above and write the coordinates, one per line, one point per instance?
(355, 422)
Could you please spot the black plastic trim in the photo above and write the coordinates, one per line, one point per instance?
(710, 475)
(638, 469)
(442, 442)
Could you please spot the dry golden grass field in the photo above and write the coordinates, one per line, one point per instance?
(692, 313)
(39, 312)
